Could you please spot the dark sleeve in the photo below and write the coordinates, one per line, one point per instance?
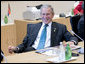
(22, 46)
(80, 27)
(68, 36)
(25, 42)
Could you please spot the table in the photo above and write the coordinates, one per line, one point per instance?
(32, 57)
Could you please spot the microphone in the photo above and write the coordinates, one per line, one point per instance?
(4, 57)
(76, 35)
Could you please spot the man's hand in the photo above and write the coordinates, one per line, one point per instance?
(70, 43)
(11, 49)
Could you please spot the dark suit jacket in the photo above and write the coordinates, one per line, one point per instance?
(81, 27)
(58, 34)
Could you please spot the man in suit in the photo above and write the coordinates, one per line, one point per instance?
(80, 27)
(56, 33)
(78, 12)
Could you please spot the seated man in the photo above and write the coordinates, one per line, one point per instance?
(81, 27)
(78, 12)
(44, 34)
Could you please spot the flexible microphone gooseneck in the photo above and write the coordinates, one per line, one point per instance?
(76, 35)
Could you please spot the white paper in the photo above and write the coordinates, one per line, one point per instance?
(56, 59)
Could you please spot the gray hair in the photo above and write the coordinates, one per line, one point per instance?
(46, 6)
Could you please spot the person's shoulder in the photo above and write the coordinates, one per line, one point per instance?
(34, 23)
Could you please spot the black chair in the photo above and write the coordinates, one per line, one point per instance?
(62, 15)
(38, 6)
(74, 22)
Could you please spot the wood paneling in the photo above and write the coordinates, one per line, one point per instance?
(65, 21)
(8, 37)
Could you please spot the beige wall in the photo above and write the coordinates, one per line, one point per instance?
(18, 7)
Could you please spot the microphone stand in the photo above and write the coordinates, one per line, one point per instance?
(76, 35)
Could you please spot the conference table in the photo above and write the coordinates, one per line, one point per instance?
(32, 57)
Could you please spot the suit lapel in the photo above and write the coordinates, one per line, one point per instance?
(54, 31)
(36, 30)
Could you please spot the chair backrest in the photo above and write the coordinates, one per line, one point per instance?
(74, 22)
(8, 37)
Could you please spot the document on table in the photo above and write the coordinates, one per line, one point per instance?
(52, 51)
(74, 47)
(56, 59)
(49, 52)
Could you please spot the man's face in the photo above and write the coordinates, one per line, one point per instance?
(46, 15)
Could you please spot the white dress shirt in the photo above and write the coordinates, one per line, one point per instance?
(48, 38)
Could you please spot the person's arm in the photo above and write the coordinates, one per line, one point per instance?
(69, 37)
(22, 46)
(19, 48)
(25, 43)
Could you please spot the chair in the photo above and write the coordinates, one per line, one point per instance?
(74, 22)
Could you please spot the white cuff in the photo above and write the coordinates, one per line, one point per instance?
(17, 48)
